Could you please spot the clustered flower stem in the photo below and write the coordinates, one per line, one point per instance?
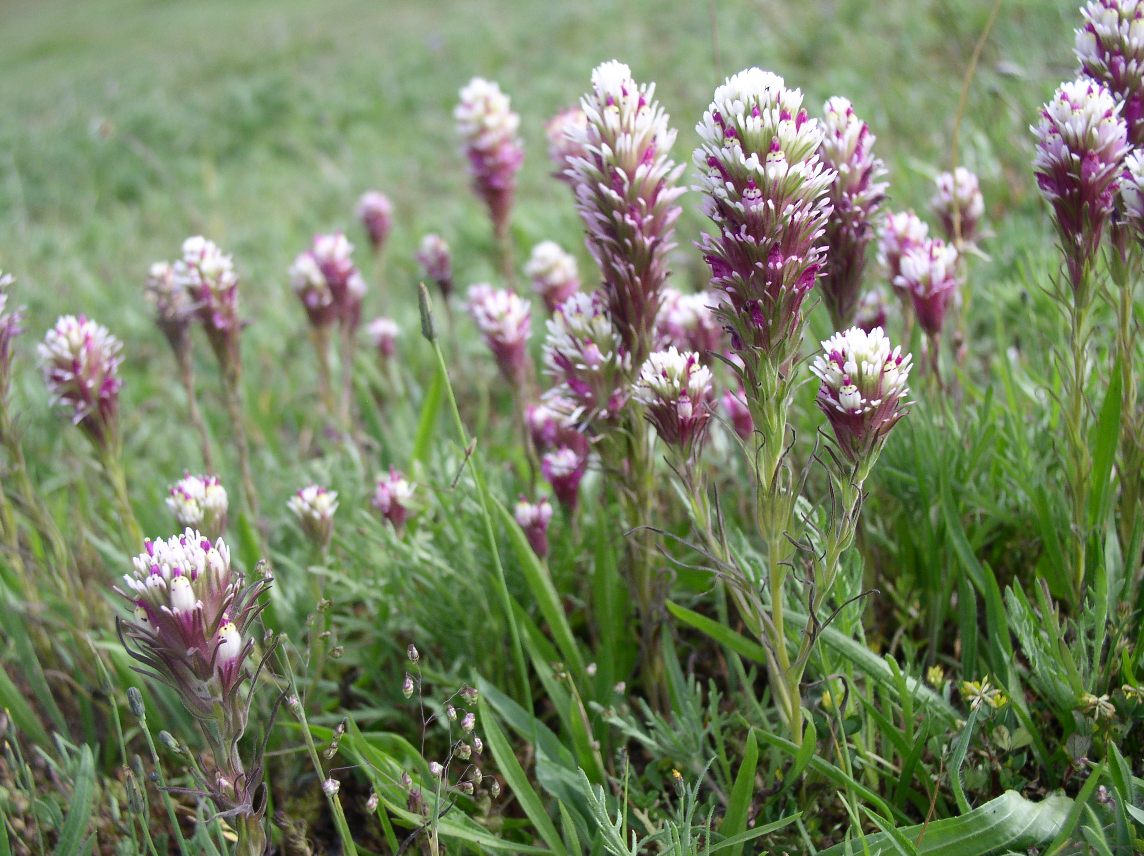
(1079, 463)
(111, 460)
(187, 377)
(232, 396)
(320, 337)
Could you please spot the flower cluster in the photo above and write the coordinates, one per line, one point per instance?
(1081, 144)
(505, 321)
(436, 262)
(766, 190)
(856, 197)
(564, 448)
(375, 212)
(901, 231)
(587, 359)
(383, 333)
(564, 131)
(10, 318)
(688, 322)
(80, 360)
(675, 390)
(626, 194)
(1110, 48)
(207, 275)
(929, 274)
(553, 273)
(863, 391)
(174, 306)
(393, 498)
(328, 283)
(959, 205)
(488, 128)
(1132, 193)
(200, 503)
(533, 518)
(314, 507)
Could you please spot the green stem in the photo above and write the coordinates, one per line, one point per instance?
(1075, 419)
(111, 461)
(320, 337)
(187, 377)
(232, 395)
(160, 780)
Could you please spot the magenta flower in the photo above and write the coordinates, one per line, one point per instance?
(436, 262)
(393, 498)
(901, 231)
(626, 194)
(738, 414)
(871, 310)
(675, 390)
(328, 282)
(586, 357)
(766, 190)
(533, 518)
(375, 212)
(856, 197)
(208, 277)
(199, 503)
(958, 204)
(929, 274)
(1131, 196)
(174, 306)
(863, 392)
(1110, 48)
(10, 318)
(314, 507)
(553, 274)
(505, 321)
(80, 360)
(488, 129)
(547, 420)
(564, 131)
(688, 322)
(383, 333)
(1081, 144)
(564, 467)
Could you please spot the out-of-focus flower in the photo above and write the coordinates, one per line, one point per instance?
(80, 360)
(735, 406)
(328, 283)
(199, 502)
(958, 204)
(626, 194)
(856, 197)
(564, 467)
(871, 310)
(436, 262)
(10, 318)
(548, 420)
(553, 273)
(935, 676)
(383, 333)
(1110, 48)
(393, 498)
(675, 388)
(314, 506)
(208, 276)
(309, 283)
(585, 355)
(174, 306)
(488, 128)
(564, 132)
(901, 231)
(1081, 144)
(375, 212)
(1132, 192)
(766, 190)
(688, 322)
(1099, 708)
(929, 274)
(863, 391)
(533, 518)
(982, 692)
(505, 321)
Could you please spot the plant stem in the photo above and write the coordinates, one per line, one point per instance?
(320, 337)
(187, 377)
(346, 341)
(160, 780)
(1079, 464)
(110, 458)
(232, 394)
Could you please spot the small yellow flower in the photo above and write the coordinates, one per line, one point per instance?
(1100, 708)
(935, 676)
(981, 692)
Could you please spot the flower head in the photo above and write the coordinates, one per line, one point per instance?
(901, 231)
(871, 310)
(375, 212)
(314, 506)
(626, 194)
(929, 274)
(199, 502)
(1110, 48)
(553, 273)
(564, 467)
(207, 274)
(548, 420)
(1132, 192)
(735, 406)
(383, 333)
(436, 262)
(174, 306)
(327, 282)
(505, 321)
(863, 390)
(488, 128)
(586, 357)
(958, 204)
(688, 322)
(766, 190)
(564, 131)
(675, 388)
(10, 318)
(80, 360)
(533, 518)
(393, 498)
(856, 197)
(1081, 144)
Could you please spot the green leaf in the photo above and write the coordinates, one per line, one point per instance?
(737, 841)
(1106, 436)
(958, 759)
(427, 423)
(80, 806)
(13, 701)
(742, 793)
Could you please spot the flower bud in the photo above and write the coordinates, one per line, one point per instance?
(489, 130)
(533, 518)
(375, 213)
(407, 686)
(553, 274)
(80, 360)
(505, 322)
(314, 506)
(436, 262)
(199, 502)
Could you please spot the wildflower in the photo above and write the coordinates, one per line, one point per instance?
(1110, 48)
(766, 190)
(436, 262)
(412, 654)
(328, 283)
(1081, 144)
(314, 507)
(856, 197)
(505, 321)
(199, 502)
(533, 518)
(330, 787)
(174, 306)
(935, 676)
(383, 333)
(10, 318)
(564, 131)
(871, 310)
(478, 746)
(548, 420)
(436, 769)
(464, 751)
(977, 693)
(494, 788)
(675, 389)
(958, 204)
(863, 391)
(688, 322)
(553, 273)
(626, 194)
(375, 212)
(488, 128)
(901, 232)
(393, 498)
(373, 802)
(564, 467)
(469, 722)
(208, 277)
(585, 354)
(735, 406)
(470, 695)
(80, 361)
(929, 274)
(1099, 708)
(407, 685)
(1132, 193)
(1132, 693)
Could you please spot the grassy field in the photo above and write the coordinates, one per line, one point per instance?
(131, 125)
